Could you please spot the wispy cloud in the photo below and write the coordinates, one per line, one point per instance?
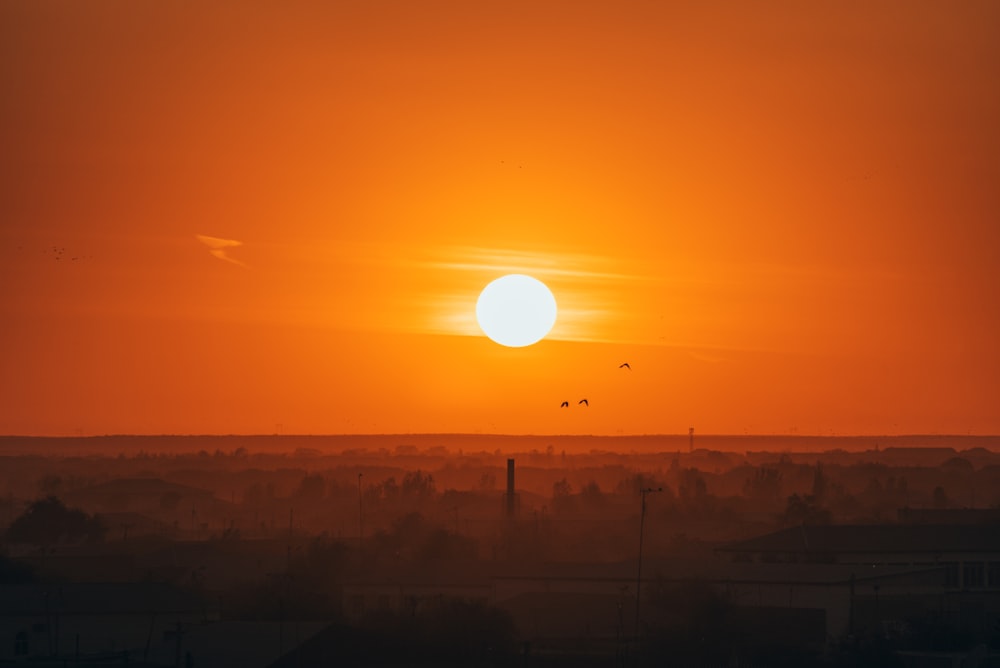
(542, 265)
(218, 247)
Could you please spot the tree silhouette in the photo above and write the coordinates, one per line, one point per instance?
(444, 544)
(940, 498)
(805, 509)
(691, 486)
(48, 521)
(819, 484)
(417, 485)
(592, 496)
(562, 500)
(764, 485)
(487, 482)
(413, 537)
(311, 488)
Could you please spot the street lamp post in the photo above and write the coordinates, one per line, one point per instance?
(361, 517)
(638, 577)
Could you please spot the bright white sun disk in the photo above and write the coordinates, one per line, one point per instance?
(516, 310)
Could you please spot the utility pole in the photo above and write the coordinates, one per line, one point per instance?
(361, 517)
(177, 644)
(288, 545)
(48, 621)
(638, 577)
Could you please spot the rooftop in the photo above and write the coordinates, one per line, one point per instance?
(883, 538)
(88, 598)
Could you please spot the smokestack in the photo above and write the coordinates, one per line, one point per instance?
(510, 488)
(690, 439)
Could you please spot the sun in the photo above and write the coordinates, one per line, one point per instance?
(516, 310)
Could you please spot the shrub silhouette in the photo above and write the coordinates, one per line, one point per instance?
(48, 521)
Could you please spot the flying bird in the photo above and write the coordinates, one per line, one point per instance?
(217, 247)
(564, 404)
(584, 402)
(625, 365)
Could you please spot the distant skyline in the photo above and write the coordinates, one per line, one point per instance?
(242, 217)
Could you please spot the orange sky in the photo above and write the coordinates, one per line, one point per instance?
(784, 216)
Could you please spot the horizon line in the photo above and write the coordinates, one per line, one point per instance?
(697, 435)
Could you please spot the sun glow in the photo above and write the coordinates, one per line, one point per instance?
(516, 310)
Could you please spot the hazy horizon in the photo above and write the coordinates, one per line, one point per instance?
(505, 444)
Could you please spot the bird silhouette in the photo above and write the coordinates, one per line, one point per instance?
(624, 365)
(584, 402)
(564, 404)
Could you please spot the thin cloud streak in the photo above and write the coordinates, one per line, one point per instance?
(541, 264)
(217, 247)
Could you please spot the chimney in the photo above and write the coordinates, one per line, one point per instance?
(510, 489)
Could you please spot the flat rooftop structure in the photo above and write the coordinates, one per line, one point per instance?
(885, 539)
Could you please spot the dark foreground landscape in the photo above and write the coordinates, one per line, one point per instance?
(287, 551)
